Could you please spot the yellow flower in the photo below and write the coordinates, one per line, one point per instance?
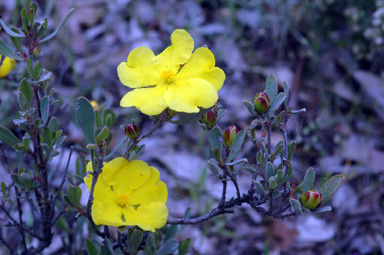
(95, 105)
(176, 78)
(128, 194)
(6, 65)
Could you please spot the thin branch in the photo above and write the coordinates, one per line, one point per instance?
(19, 225)
(2, 241)
(58, 216)
(20, 217)
(63, 180)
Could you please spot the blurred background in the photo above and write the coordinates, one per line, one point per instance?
(330, 52)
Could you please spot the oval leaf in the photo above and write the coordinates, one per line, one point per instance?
(236, 146)
(330, 186)
(6, 136)
(190, 118)
(271, 87)
(276, 104)
(308, 180)
(6, 51)
(86, 119)
(168, 247)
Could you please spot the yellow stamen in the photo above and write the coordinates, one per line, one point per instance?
(123, 200)
(167, 76)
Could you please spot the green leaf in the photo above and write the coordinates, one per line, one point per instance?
(213, 167)
(86, 119)
(239, 161)
(47, 136)
(5, 51)
(291, 149)
(216, 143)
(6, 136)
(331, 186)
(271, 87)
(288, 172)
(296, 206)
(308, 180)
(74, 195)
(250, 107)
(269, 170)
(26, 88)
(168, 247)
(109, 118)
(134, 241)
(17, 40)
(24, 18)
(236, 146)
(9, 31)
(184, 246)
(42, 28)
(323, 209)
(4, 189)
(272, 183)
(103, 134)
(49, 37)
(260, 187)
(189, 118)
(91, 248)
(171, 232)
(276, 104)
(53, 124)
(44, 108)
(276, 194)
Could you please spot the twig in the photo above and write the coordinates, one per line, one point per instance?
(155, 125)
(20, 218)
(62, 181)
(96, 174)
(19, 225)
(224, 192)
(2, 241)
(58, 216)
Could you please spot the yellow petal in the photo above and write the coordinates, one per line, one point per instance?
(148, 217)
(140, 70)
(107, 214)
(151, 191)
(88, 178)
(202, 65)
(178, 53)
(7, 65)
(149, 101)
(124, 176)
(188, 96)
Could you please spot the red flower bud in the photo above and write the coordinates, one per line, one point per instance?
(311, 199)
(209, 118)
(229, 135)
(132, 131)
(261, 102)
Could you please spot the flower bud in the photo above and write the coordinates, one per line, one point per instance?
(132, 131)
(209, 118)
(311, 199)
(229, 135)
(261, 102)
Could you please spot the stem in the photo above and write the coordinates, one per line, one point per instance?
(19, 225)
(2, 241)
(223, 194)
(155, 126)
(20, 218)
(269, 137)
(96, 174)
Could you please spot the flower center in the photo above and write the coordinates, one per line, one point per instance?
(167, 76)
(123, 200)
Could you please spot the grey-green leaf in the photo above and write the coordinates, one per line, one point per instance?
(236, 146)
(269, 170)
(7, 52)
(296, 206)
(59, 27)
(91, 248)
(44, 108)
(323, 209)
(250, 107)
(9, 31)
(271, 87)
(331, 186)
(213, 167)
(277, 102)
(308, 180)
(168, 247)
(86, 119)
(216, 143)
(27, 90)
(189, 118)
(6, 136)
